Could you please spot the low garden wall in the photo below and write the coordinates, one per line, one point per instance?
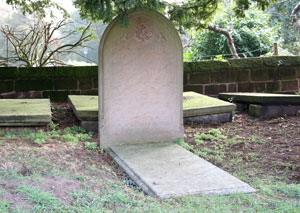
(206, 77)
(43, 82)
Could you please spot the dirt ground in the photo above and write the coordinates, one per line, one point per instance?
(62, 177)
(272, 142)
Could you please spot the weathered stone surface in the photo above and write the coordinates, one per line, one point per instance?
(34, 85)
(290, 85)
(200, 78)
(259, 75)
(287, 61)
(85, 107)
(89, 126)
(261, 98)
(6, 86)
(141, 81)
(239, 75)
(8, 72)
(246, 87)
(273, 87)
(220, 77)
(167, 170)
(211, 118)
(273, 110)
(194, 88)
(208, 65)
(288, 74)
(24, 112)
(65, 84)
(85, 83)
(195, 104)
(259, 87)
(214, 89)
(232, 88)
(246, 63)
(57, 95)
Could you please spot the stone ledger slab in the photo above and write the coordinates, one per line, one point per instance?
(196, 108)
(167, 170)
(25, 112)
(195, 104)
(261, 98)
(85, 107)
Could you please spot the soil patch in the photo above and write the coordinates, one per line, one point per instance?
(274, 144)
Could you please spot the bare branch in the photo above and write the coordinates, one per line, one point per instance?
(228, 35)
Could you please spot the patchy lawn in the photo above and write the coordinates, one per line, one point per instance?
(60, 168)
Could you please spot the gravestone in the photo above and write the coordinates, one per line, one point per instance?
(140, 110)
(140, 81)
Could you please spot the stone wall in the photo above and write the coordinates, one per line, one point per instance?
(243, 75)
(53, 82)
(206, 77)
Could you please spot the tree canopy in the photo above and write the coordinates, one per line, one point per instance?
(190, 13)
(252, 36)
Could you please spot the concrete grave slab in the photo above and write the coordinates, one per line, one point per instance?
(85, 107)
(167, 170)
(205, 109)
(265, 104)
(261, 98)
(196, 108)
(140, 81)
(273, 110)
(25, 112)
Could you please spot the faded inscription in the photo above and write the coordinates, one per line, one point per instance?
(143, 33)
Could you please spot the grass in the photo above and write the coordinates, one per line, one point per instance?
(69, 173)
(43, 201)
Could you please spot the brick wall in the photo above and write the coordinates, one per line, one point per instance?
(206, 77)
(243, 75)
(48, 82)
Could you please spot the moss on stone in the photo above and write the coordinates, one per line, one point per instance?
(209, 65)
(8, 72)
(195, 100)
(25, 111)
(246, 63)
(56, 95)
(286, 61)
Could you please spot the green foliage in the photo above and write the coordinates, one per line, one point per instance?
(185, 145)
(91, 145)
(73, 135)
(252, 36)
(4, 206)
(52, 126)
(38, 137)
(106, 10)
(187, 14)
(280, 14)
(74, 130)
(38, 6)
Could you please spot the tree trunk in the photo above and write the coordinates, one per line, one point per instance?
(294, 18)
(230, 41)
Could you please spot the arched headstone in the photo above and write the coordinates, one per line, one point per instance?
(140, 81)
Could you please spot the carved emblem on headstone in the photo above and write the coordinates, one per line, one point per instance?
(143, 33)
(161, 37)
(124, 37)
